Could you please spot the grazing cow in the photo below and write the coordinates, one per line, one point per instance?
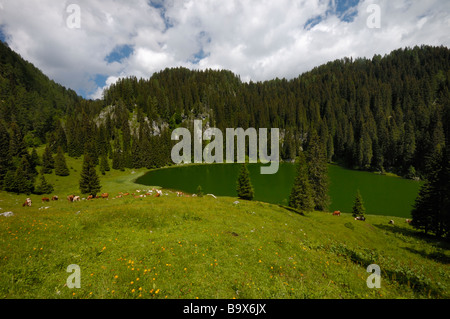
(76, 198)
(70, 198)
(126, 194)
(105, 195)
(45, 199)
(27, 203)
(391, 222)
(408, 221)
(157, 194)
(179, 194)
(90, 197)
(360, 218)
(337, 213)
(55, 197)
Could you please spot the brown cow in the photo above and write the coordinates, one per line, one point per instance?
(126, 194)
(45, 199)
(337, 213)
(55, 197)
(70, 198)
(105, 195)
(27, 203)
(90, 197)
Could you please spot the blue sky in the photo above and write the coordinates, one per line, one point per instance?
(256, 39)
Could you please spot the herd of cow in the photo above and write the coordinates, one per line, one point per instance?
(158, 193)
(76, 198)
(338, 213)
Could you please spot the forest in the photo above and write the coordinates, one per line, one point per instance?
(388, 114)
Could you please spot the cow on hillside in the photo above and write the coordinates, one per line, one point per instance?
(27, 203)
(337, 213)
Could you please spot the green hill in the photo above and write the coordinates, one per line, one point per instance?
(189, 247)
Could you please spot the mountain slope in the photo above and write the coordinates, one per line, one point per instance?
(29, 98)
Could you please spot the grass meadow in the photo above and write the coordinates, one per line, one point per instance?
(191, 247)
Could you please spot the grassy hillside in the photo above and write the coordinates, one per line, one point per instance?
(188, 247)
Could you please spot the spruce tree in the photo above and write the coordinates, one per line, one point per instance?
(48, 162)
(431, 210)
(89, 181)
(60, 163)
(5, 163)
(104, 165)
(24, 182)
(43, 187)
(244, 186)
(358, 209)
(199, 191)
(318, 172)
(301, 196)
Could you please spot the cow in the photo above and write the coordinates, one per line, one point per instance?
(76, 198)
(105, 195)
(179, 194)
(360, 218)
(391, 222)
(70, 198)
(157, 194)
(90, 197)
(337, 213)
(27, 203)
(408, 221)
(126, 194)
(45, 199)
(55, 198)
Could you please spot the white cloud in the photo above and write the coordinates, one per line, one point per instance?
(258, 40)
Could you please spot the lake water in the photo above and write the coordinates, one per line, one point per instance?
(382, 195)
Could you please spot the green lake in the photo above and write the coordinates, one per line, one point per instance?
(382, 195)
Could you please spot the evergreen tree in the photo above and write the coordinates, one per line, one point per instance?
(5, 162)
(199, 191)
(301, 196)
(24, 182)
(318, 172)
(17, 146)
(60, 163)
(43, 187)
(104, 165)
(48, 162)
(244, 186)
(89, 181)
(358, 209)
(431, 210)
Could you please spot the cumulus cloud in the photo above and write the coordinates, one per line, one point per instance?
(259, 40)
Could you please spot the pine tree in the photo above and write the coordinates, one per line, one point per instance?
(4, 152)
(199, 191)
(89, 180)
(301, 196)
(431, 210)
(244, 186)
(43, 187)
(48, 162)
(358, 209)
(24, 182)
(60, 163)
(104, 165)
(318, 172)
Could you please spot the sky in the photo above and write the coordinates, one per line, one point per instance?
(87, 45)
